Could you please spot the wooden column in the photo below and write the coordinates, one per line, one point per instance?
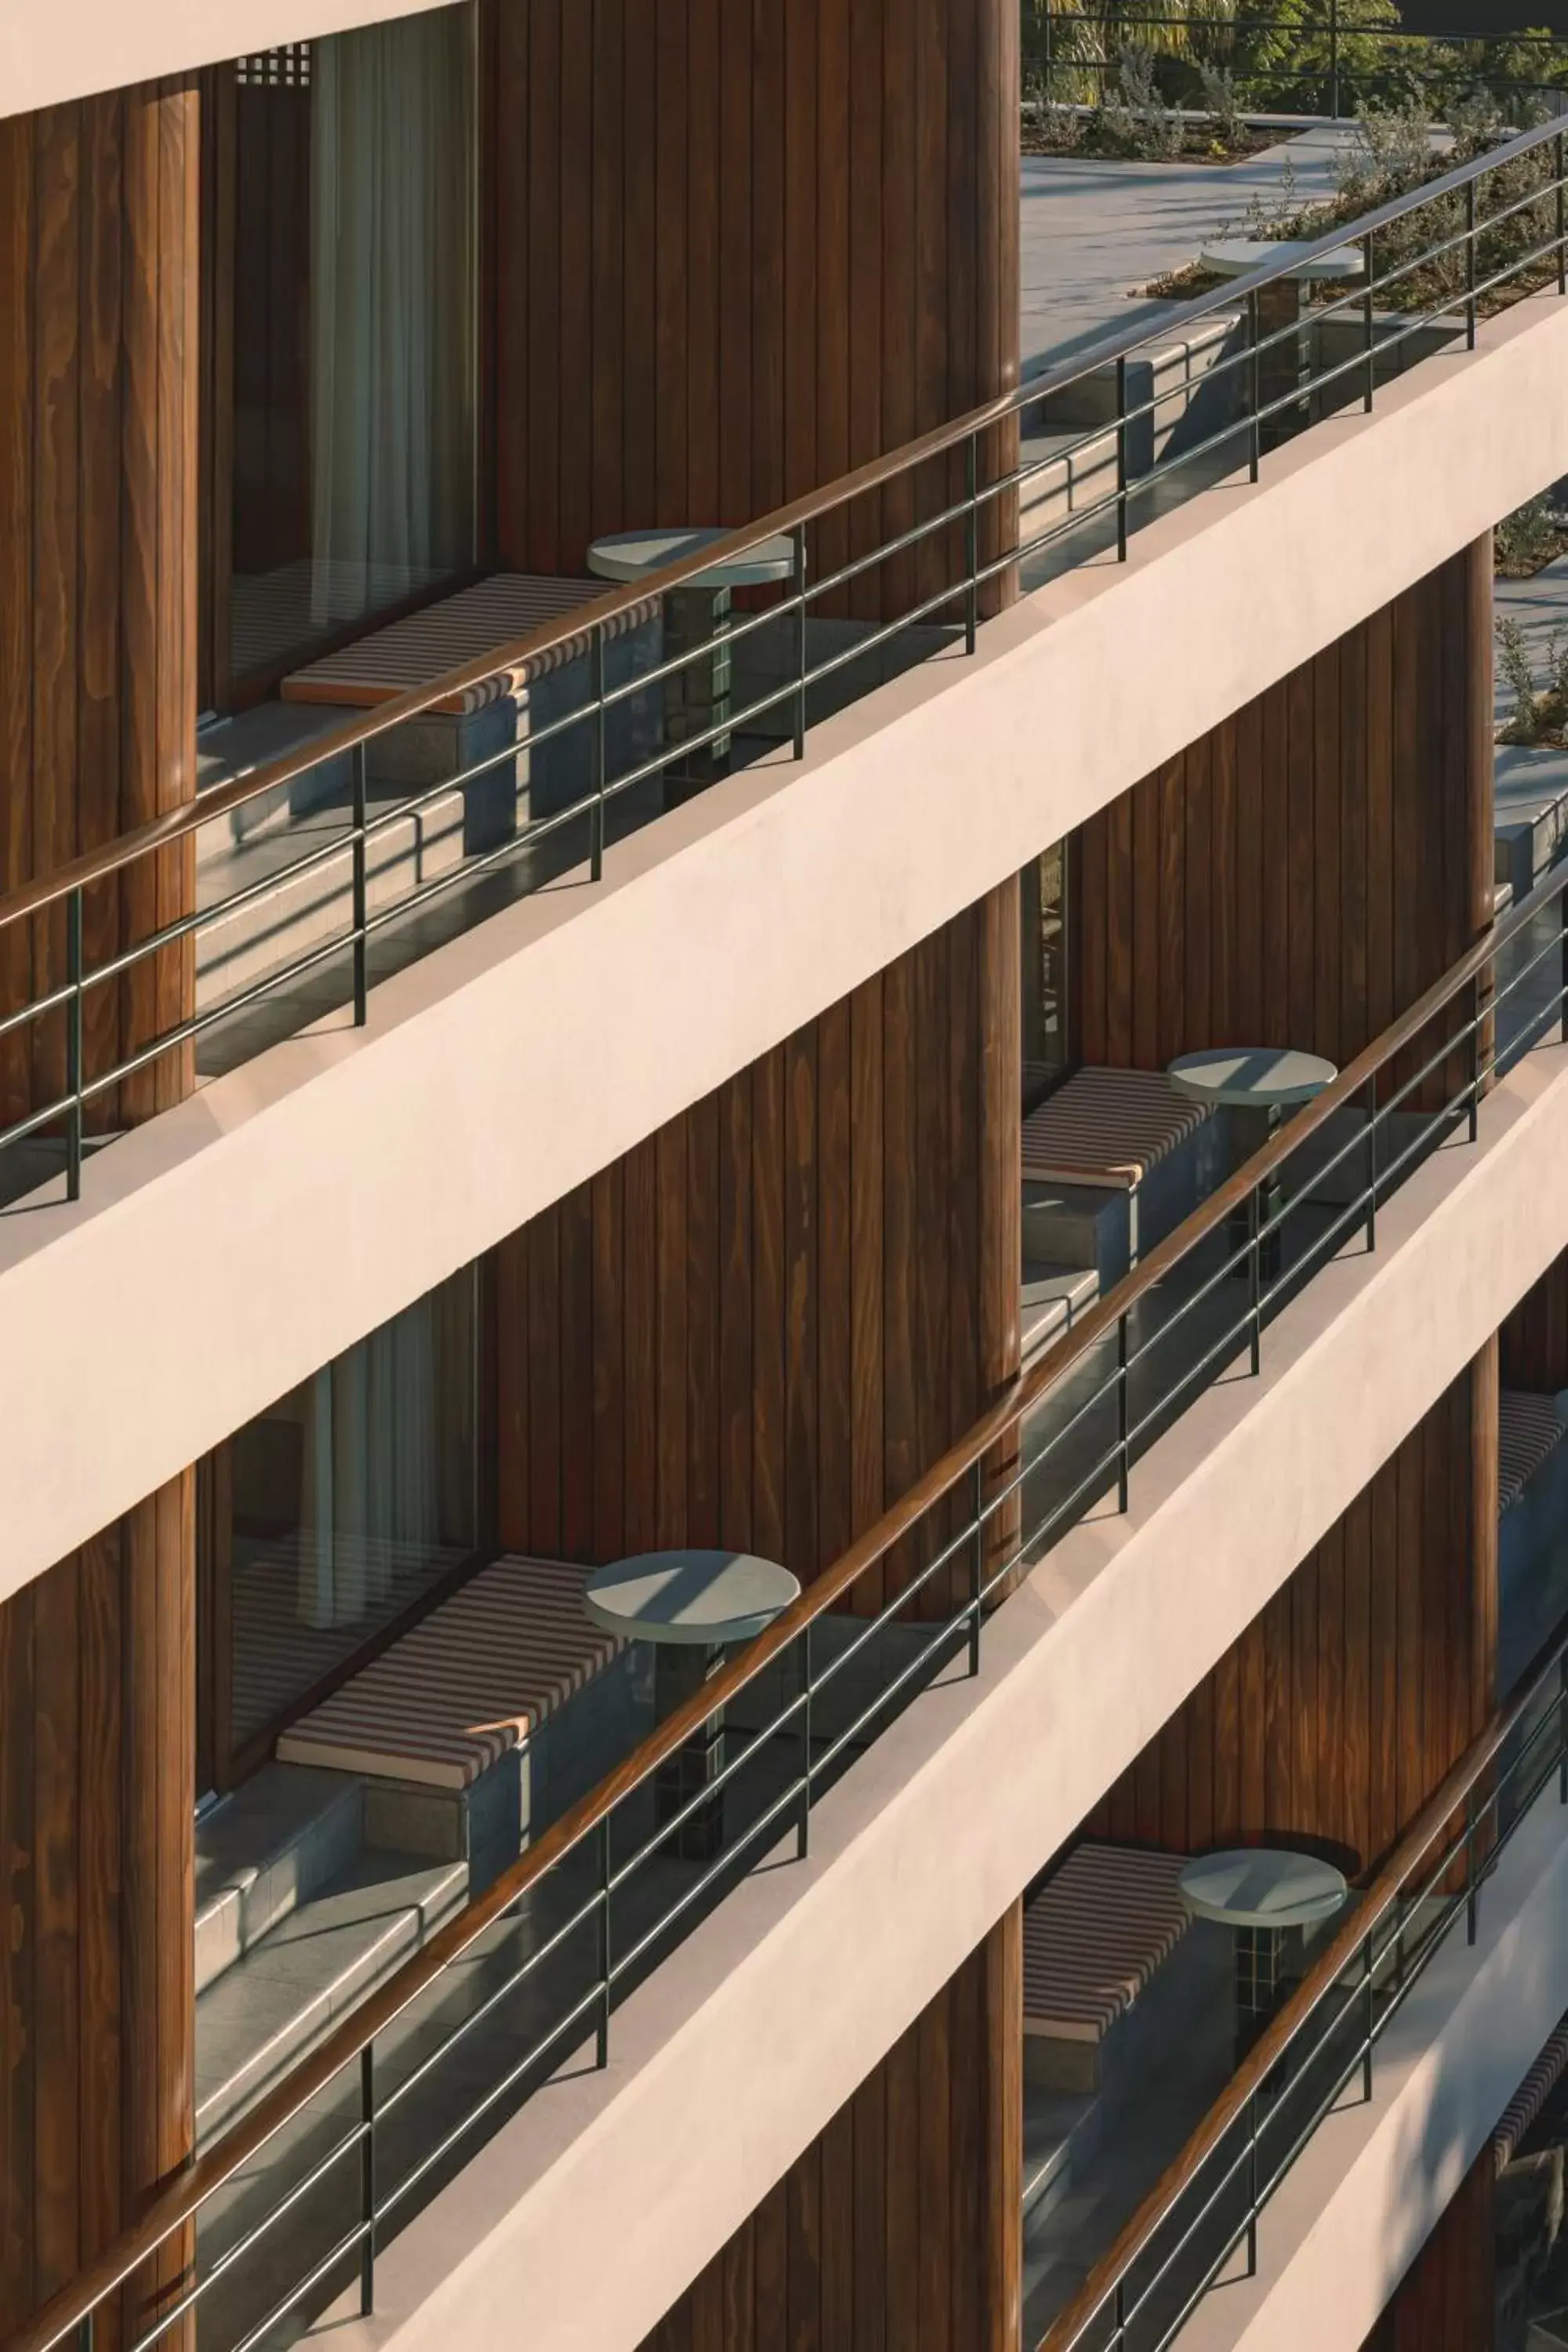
(98, 410)
(1344, 1702)
(1308, 869)
(738, 251)
(98, 540)
(762, 1325)
(901, 2224)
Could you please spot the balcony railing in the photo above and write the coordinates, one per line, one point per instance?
(529, 1975)
(1204, 2212)
(907, 552)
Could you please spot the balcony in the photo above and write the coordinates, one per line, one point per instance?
(670, 895)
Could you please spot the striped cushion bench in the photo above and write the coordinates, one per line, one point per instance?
(1094, 1936)
(471, 1682)
(460, 628)
(1107, 1126)
(1529, 1432)
(1530, 2098)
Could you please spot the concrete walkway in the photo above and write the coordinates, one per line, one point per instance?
(1094, 231)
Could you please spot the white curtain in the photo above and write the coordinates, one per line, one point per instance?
(374, 1470)
(392, 310)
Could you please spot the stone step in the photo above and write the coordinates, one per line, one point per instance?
(1050, 1300)
(276, 1841)
(275, 2002)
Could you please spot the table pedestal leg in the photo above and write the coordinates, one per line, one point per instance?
(1281, 311)
(1259, 1954)
(697, 697)
(1254, 1130)
(678, 1670)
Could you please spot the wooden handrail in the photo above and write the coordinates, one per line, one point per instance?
(1274, 2043)
(172, 2208)
(160, 832)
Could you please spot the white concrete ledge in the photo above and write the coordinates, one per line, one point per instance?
(231, 1247)
(931, 1836)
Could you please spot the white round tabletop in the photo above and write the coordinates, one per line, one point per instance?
(1252, 1077)
(1237, 256)
(689, 1596)
(1256, 1887)
(633, 555)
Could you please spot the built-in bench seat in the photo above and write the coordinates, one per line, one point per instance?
(1093, 1937)
(1112, 1162)
(483, 1721)
(1530, 1429)
(503, 709)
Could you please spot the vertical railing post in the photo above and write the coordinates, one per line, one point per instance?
(1472, 273)
(1562, 1729)
(361, 890)
(87, 2331)
(1562, 215)
(803, 1828)
(971, 542)
(977, 1578)
(1369, 264)
(1047, 14)
(1470, 1889)
(1334, 60)
(1562, 967)
(1255, 1278)
(1370, 2021)
(1475, 1089)
(1255, 383)
(597, 693)
(1372, 1163)
(73, 1046)
(1118, 2313)
(1122, 1416)
(1121, 459)
(602, 2037)
(1252, 2185)
(798, 536)
(367, 2179)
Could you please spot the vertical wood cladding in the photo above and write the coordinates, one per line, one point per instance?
(1535, 1337)
(97, 1907)
(1299, 876)
(1447, 2301)
(99, 211)
(739, 250)
(764, 1322)
(1346, 1700)
(900, 2225)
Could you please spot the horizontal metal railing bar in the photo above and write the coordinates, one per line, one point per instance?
(1388, 1891)
(188, 2191)
(225, 2261)
(1226, 27)
(616, 603)
(307, 2285)
(497, 2092)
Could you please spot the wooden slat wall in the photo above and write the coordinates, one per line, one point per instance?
(739, 250)
(763, 1323)
(1299, 876)
(1447, 2301)
(1535, 1337)
(98, 222)
(97, 1880)
(1347, 1699)
(99, 212)
(900, 2225)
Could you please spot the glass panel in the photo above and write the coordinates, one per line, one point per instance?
(354, 446)
(1044, 910)
(349, 1498)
